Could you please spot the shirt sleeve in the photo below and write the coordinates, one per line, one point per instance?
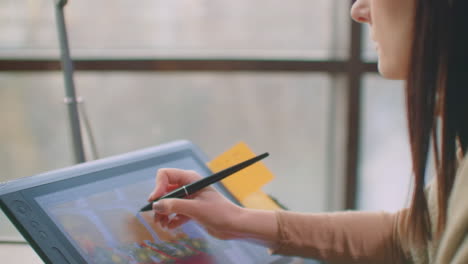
(344, 237)
(454, 243)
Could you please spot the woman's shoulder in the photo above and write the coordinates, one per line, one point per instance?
(453, 246)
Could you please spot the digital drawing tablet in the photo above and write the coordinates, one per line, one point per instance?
(88, 213)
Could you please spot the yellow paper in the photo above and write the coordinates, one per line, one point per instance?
(247, 181)
(260, 200)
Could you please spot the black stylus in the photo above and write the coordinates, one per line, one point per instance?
(193, 187)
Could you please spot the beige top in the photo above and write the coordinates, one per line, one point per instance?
(365, 237)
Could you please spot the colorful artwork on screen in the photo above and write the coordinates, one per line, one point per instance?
(116, 233)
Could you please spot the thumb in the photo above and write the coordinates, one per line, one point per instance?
(175, 206)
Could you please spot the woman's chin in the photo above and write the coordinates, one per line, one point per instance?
(390, 72)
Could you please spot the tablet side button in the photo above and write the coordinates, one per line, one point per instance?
(34, 224)
(43, 235)
(21, 207)
(59, 256)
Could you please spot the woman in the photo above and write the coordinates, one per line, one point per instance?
(423, 42)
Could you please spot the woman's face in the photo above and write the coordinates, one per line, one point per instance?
(391, 26)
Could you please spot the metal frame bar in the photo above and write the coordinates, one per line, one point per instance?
(168, 64)
(70, 95)
(355, 72)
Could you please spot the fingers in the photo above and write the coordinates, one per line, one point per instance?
(186, 207)
(182, 209)
(171, 177)
(170, 222)
(177, 221)
(161, 220)
(176, 176)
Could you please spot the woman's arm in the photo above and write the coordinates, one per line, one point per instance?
(350, 237)
(346, 237)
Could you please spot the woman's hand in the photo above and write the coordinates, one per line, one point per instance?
(219, 216)
(208, 207)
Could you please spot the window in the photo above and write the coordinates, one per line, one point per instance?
(297, 115)
(385, 159)
(179, 28)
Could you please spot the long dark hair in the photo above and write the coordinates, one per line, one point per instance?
(437, 105)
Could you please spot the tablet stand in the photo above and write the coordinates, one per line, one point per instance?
(70, 95)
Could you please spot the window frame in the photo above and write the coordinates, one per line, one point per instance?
(353, 68)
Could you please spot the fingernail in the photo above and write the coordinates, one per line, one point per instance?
(158, 207)
(149, 197)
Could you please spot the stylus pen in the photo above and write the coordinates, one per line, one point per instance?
(194, 187)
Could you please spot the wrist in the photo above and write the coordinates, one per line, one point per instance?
(258, 226)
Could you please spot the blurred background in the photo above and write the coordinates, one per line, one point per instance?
(296, 79)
